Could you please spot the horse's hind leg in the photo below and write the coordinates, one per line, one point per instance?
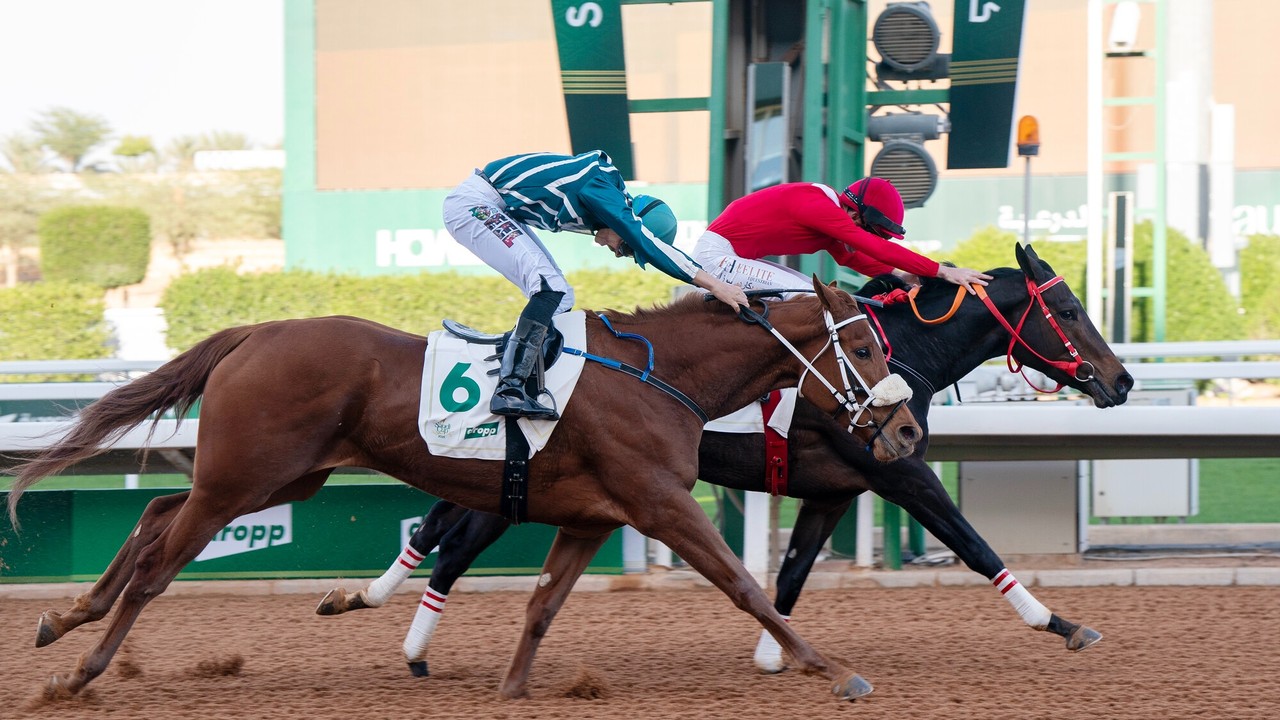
(458, 549)
(157, 564)
(196, 521)
(95, 604)
(441, 518)
(683, 526)
(567, 559)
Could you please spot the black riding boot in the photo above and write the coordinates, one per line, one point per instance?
(522, 358)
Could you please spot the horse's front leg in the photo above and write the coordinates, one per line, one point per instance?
(916, 488)
(680, 523)
(95, 604)
(814, 524)
(566, 561)
(441, 518)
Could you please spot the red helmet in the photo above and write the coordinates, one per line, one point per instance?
(878, 203)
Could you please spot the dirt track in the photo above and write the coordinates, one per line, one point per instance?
(1168, 652)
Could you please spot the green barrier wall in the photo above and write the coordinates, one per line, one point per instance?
(344, 531)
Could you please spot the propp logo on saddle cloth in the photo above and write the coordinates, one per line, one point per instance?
(750, 419)
(453, 413)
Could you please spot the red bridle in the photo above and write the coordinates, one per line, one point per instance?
(1071, 367)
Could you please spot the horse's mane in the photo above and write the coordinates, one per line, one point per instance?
(691, 303)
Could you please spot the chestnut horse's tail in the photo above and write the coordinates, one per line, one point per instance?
(175, 385)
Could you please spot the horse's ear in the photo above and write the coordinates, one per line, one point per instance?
(1031, 264)
(823, 292)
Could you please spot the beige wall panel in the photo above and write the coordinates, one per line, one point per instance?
(413, 94)
(421, 117)
(1246, 60)
(668, 50)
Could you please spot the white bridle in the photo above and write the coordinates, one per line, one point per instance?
(892, 389)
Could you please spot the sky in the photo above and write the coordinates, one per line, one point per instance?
(157, 68)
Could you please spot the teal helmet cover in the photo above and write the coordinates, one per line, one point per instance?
(656, 216)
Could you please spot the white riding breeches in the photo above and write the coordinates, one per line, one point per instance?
(717, 257)
(475, 216)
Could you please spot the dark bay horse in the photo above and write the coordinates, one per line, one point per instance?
(285, 403)
(827, 468)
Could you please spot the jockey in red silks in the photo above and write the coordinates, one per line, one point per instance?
(854, 226)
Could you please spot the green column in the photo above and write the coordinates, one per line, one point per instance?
(594, 77)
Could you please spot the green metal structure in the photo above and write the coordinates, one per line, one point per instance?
(1156, 291)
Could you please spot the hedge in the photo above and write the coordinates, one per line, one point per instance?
(48, 320)
(1260, 287)
(1198, 305)
(96, 244)
(198, 304)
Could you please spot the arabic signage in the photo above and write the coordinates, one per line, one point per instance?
(594, 77)
(984, 82)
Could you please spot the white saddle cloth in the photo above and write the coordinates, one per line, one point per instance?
(750, 419)
(453, 414)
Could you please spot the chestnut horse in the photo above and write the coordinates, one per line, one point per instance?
(827, 468)
(285, 403)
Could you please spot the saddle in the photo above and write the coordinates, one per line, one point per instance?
(514, 496)
(551, 348)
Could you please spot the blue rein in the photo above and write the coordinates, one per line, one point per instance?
(644, 376)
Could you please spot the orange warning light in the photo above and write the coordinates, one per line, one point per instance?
(1028, 135)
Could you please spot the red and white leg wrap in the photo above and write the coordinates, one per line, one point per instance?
(424, 625)
(768, 656)
(1032, 612)
(380, 590)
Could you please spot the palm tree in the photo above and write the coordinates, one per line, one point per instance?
(23, 153)
(70, 134)
(181, 151)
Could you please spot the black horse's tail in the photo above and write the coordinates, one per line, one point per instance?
(175, 385)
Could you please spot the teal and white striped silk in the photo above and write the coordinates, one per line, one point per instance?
(580, 193)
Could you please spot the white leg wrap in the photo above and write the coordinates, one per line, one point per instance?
(424, 625)
(769, 653)
(1032, 612)
(380, 590)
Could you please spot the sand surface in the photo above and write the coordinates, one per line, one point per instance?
(941, 652)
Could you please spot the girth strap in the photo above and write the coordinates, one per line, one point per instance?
(514, 502)
(775, 449)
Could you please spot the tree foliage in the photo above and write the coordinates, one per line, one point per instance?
(71, 135)
(225, 140)
(23, 153)
(1260, 287)
(1198, 305)
(95, 244)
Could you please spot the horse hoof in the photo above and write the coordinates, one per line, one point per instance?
(46, 630)
(338, 602)
(59, 687)
(852, 688)
(419, 668)
(1082, 637)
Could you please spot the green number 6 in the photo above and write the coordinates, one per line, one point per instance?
(453, 382)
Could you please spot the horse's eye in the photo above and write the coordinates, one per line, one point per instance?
(1067, 314)
(862, 353)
